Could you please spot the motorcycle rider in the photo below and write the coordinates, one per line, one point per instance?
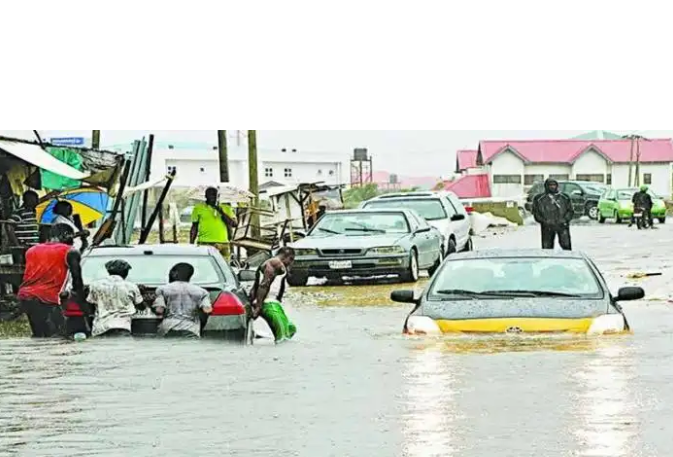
(553, 210)
(642, 199)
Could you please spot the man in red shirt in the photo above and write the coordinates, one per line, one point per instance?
(47, 267)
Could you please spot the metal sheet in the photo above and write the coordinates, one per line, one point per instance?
(37, 156)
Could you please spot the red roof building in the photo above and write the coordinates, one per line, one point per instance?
(465, 159)
(470, 186)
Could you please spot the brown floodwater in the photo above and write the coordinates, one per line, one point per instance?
(351, 385)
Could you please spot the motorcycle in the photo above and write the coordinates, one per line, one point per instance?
(639, 218)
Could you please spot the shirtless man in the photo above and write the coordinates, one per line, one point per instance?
(274, 268)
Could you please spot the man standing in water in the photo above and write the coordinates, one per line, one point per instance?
(180, 302)
(115, 299)
(272, 273)
(47, 267)
(553, 210)
(211, 223)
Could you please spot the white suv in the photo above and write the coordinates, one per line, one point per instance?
(442, 210)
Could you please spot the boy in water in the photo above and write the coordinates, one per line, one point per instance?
(179, 302)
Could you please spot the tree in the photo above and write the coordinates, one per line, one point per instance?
(356, 195)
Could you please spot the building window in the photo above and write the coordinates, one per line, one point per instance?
(268, 172)
(560, 177)
(506, 179)
(202, 170)
(529, 180)
(288, 172)
(608, 179)
(171, 169)
(647, 178)
(319, 172)
(331, 172)
(592, 178)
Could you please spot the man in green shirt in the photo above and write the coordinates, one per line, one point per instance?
(210, 223)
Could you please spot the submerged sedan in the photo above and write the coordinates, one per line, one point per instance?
(359, 243)
(616, 204)
(522, 291)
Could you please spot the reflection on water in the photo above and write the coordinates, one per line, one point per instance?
(504, 344)
(608, 424)
(429, 379)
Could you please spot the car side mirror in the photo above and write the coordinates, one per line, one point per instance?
(630, 293)
(422, 230)
(246, 275)
(458, 217)
(403, 296)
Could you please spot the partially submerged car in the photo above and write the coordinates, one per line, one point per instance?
(517, 291)
(617, 204)
(359, 243)
(150, 265)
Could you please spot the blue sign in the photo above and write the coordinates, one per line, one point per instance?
(69, 141)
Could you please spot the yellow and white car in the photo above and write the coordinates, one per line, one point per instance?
(517, 291)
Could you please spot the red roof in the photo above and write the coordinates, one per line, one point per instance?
(466, 158)
(470, 186)
(567, 151)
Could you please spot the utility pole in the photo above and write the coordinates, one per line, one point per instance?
(253, 179)
(637, 182)
(95, 139)
(223, 155)
(630, 160)
(635, 147)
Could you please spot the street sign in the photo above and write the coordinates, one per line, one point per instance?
(68, 141)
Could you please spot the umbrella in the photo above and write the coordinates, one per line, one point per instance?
(88, 202)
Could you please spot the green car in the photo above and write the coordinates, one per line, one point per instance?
(616, 204)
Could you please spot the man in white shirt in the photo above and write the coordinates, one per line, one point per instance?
(63, 211)
(115, 299)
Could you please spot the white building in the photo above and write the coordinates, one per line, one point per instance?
(513, 166)
(200, 166)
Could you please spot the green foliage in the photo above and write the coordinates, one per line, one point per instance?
(356, 195)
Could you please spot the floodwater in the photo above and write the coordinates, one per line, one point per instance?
(351, 385)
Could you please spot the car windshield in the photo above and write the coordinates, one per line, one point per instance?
(595, 189)
(365, 222)
(153, 269)
(532, 276)
(429, 209)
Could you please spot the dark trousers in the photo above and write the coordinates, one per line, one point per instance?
(46, 320)
(647, 217)
(549, 233)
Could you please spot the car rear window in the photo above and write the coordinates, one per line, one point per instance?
(430, 209)
(153, 269)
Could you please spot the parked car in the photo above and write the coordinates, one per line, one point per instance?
(150, 265)
(616, 204)
(367, 242)
(584, 196)
(517, 291)
(442, 210)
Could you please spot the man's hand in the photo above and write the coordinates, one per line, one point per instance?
(256, 311)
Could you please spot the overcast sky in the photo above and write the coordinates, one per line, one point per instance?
(406, 152)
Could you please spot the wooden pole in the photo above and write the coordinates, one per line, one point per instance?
(223, 155)
(631, 160)
(253, 179)
(95, 139)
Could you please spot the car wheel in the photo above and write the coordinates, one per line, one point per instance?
(438, 263)
(297, 279)
(662, 220)
(451, 248)
(411, 274)
(469, 246)
(618, 219)
(601, 218)
(592, 210)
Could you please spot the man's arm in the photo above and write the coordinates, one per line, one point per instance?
(536, 209)
(73, 260)
(194, 232)
(228, 219)
(159, 305)
(270, 272)
(570, 212)
(11, 230)
(205, 304)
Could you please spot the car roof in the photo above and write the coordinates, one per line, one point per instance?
(408, 195)
(520, 253)
(188, 250)
(373, 210)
